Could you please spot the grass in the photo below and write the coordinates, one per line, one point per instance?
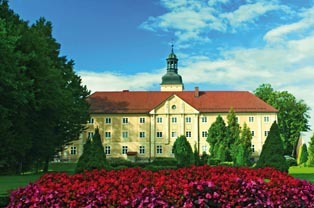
(304, 173)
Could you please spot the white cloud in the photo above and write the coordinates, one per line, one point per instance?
(300, 28)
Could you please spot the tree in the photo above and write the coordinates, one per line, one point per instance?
(293, 116)
(182, 152)
(303, 154)
(38, 86)
(93, 156)
(310, 161)
(272, 154)
(196, 154)
(242, 148)
(216, 134)
(233, 135)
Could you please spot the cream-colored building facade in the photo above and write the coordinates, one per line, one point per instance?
(147, 123)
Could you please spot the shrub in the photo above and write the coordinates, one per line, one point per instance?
(272, 154)
(164, 161)
(213, 161)
(183, 152)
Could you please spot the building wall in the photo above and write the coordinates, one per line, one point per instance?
(153, 134)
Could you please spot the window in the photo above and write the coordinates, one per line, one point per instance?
(204, 148)
(174, 119)
(125, 134)
(73, 150)
(107, 120)
(204, 133)
(124, 149)
(188, 134)
(253, 133)
(91, 120)
(266, 119)
(142, 134)
(142, 149)
(107, 150)
(204, 119)
(142, 120)
(173, 134)
(125, 120)
(107, 134)
(266, 133)
(252, 147)
(159, 119)
(159, 134)
(90, 135)
(251, 119)
(159, 149)
(188, 119)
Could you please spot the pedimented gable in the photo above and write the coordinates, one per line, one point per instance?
(174, 105)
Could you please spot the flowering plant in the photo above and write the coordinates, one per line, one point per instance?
(202, 186)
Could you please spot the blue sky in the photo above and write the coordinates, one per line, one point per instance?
(221, 44)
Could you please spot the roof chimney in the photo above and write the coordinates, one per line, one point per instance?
(196, 92)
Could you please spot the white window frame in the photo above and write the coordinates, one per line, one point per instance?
(188, 134)
(159, 119)
(142, 120)
(90, 134)
(204, 134)
(159, 149)
(142, 149)
(91, 120)
(124, 150)
(266, 133)
(107, 150)
(173, 119)
(125, 134)
(253, 133)
(159, 134)
(107, 120)
(251, 119)
(174, 134)
(142, 134)
(73, 150)
(266, 119)
(107, 134)
(125, 120)
(204, 148)
(188, 119)
(204, 119)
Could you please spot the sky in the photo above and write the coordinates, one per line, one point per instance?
(220, 44)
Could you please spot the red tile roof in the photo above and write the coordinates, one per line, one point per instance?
(145, 101)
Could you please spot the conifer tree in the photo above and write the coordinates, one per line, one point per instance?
(242, 148)
(303, 154)
(272, 154)
(182, 152)
(233, 135)
(310, 161)
(216, 135)
(93, 156)
(197, 159)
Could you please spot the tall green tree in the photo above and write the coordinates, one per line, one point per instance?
(303, 154)
(242, 150)
(272, 154)
(216, 135)
(310, 161)
(233, 134)
(183, 152)
(93, 156)
(293, 115)
(44, 101)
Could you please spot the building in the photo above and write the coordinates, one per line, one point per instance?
(145, 124)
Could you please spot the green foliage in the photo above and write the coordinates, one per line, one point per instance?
(272, 154)
(164, 161)
(303, 154)
(293, 115)
(217, 134)
(242, 150)
(37, 85)
(310, 161)
(183, 152)
(204, 158)
(197, 159)
(93, 156)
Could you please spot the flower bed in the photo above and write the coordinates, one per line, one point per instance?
(202, 186)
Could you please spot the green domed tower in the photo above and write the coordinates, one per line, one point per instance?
(172, 81)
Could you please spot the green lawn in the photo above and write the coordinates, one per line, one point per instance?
(304, 173)
(13, 182)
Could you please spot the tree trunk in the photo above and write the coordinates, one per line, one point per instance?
(46, 165)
